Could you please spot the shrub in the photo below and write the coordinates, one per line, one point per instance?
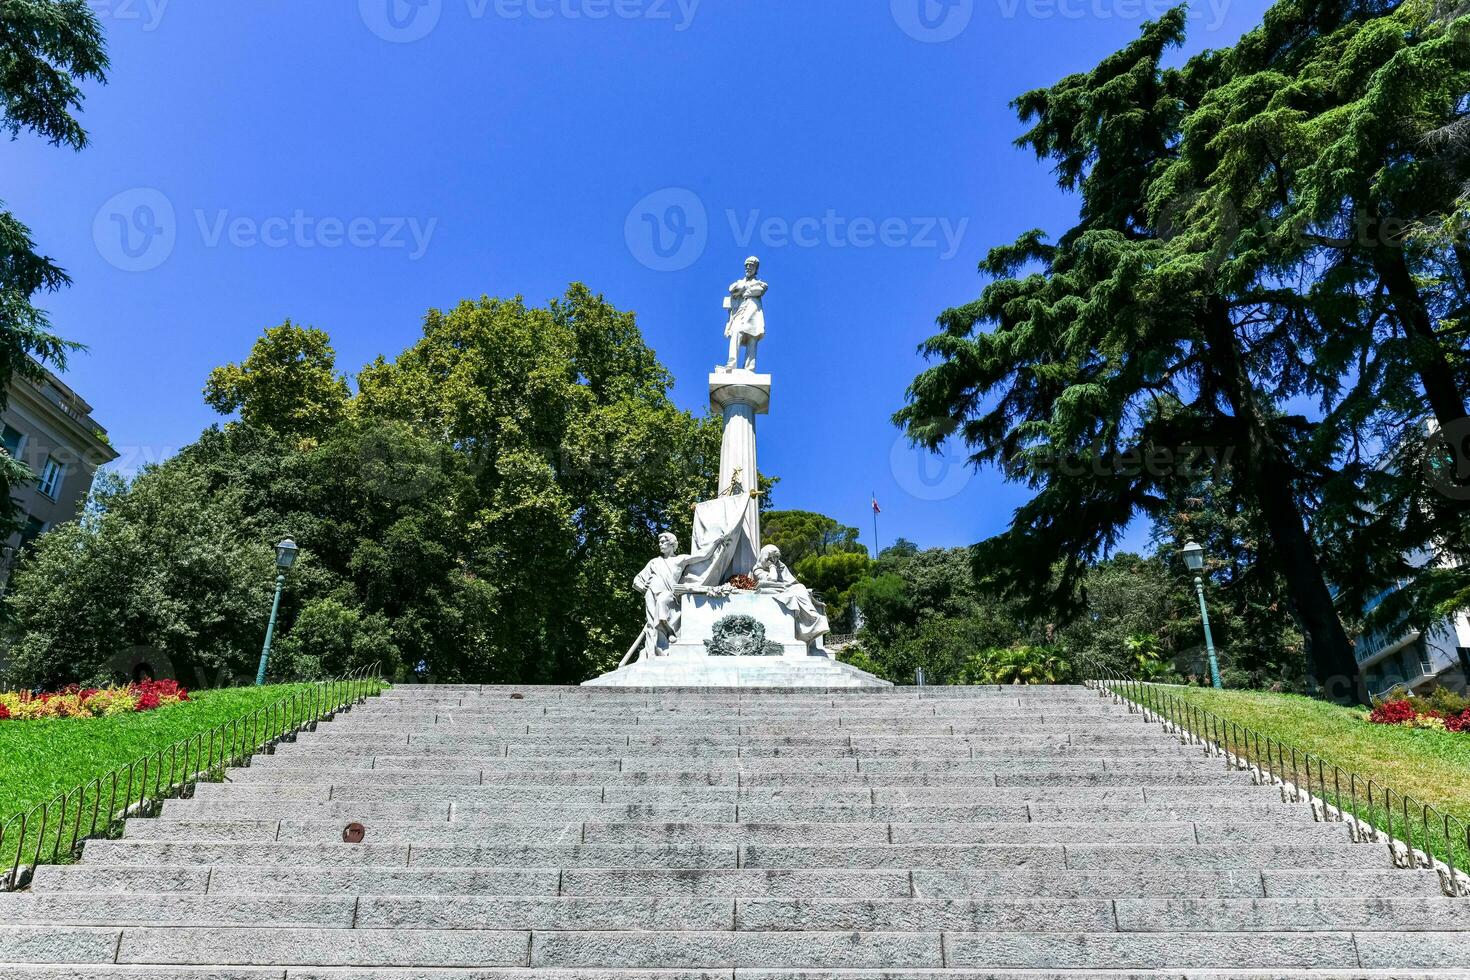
(1016, 665)
(89, 702)
(855, 656)
(1236, 678)
(1442, 701)
(1399, 711)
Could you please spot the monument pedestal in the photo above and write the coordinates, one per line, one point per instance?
(687, 662)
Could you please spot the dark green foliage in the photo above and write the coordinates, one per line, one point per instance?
(1214, 281)
(1017, 665)
(476, 513)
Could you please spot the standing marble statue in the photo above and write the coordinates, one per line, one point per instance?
(747, 322)
(775, 579)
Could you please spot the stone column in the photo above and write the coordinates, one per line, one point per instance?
(739, 396)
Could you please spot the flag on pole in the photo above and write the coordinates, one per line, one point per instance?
(876, 508)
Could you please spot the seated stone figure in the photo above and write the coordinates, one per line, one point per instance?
(775, 579)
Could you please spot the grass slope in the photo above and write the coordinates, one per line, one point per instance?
(1433, 767)
(41, 759)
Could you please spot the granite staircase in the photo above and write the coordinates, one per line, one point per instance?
(619, 834)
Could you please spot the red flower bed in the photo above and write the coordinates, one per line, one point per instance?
(1395, 712)
(1416, 714)
(75, 701)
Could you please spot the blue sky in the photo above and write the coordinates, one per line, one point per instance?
(351, 164)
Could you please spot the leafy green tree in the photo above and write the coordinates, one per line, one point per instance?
(578, 460)
(158, 564)
(925, 609)
(802, 533)
(1180, 311)
(833, 576)
(477, 512)
(47, 47)
(289, 383)
(332, 638)
(1124, 596)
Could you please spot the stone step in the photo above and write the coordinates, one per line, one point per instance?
(1124, 788)
(595, 832)
(529, 736)
(674, 725)
(1101, 857)
(1093, 772)
(43, 972)
(730, 882)
(495, 718)
(531, 748)
(1266, 809)
(1323, 856)
(771, 950)
(666, 914)
(896, 752)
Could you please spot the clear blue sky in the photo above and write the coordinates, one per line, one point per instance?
(351, 164)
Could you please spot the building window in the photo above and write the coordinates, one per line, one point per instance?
(51, 475)
(1464, 653)
(1420, 651)
(12, 439)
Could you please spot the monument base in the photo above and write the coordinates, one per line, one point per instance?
(687, 662)
(814, 670)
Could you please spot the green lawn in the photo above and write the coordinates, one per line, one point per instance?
(39, 760)
(1433, 767)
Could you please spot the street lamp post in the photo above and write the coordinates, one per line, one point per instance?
(1194, 557)
(285, 555)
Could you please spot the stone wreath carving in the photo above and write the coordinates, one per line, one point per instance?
(740, 636)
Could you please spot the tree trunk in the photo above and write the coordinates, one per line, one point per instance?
(1268, 481)
(1425, 350)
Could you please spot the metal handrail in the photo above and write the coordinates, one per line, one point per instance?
(1418, 835)
(51, 832)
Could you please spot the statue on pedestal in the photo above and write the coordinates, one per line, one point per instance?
(663, 581)
(747, 321)
(775, 579)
